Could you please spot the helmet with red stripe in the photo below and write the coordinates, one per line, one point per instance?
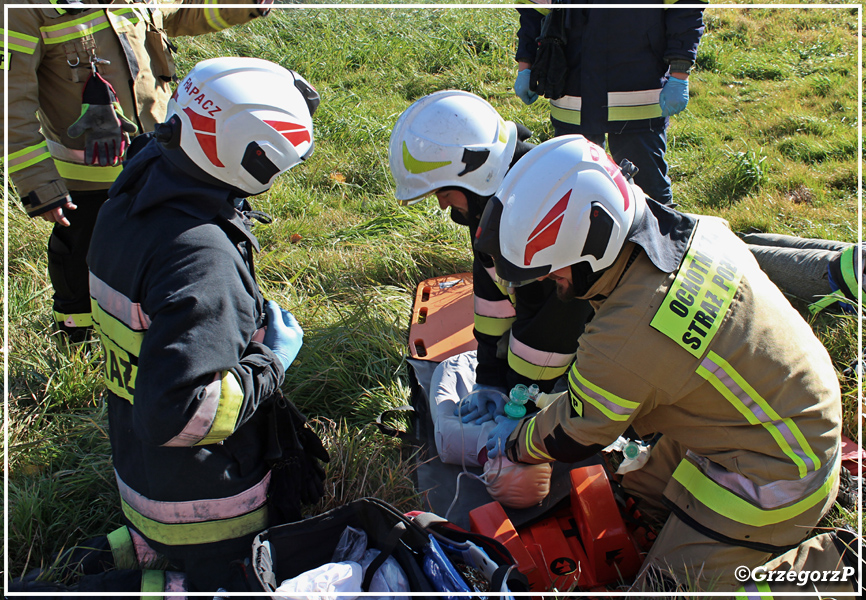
(565, 202)
(243, 121)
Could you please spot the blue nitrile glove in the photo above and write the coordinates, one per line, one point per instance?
(482, 404)
(284, 336)
(499, 436)
(674, 96)
(521, 87)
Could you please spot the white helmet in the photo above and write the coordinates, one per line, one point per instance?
(242, 121)
(450, 139)
(565, 202)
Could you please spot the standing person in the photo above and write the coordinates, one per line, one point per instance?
(456, 146)
(623, 73)
(690, 340)
(194, 356)
(82, 81)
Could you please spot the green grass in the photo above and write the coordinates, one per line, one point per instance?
(769, 141)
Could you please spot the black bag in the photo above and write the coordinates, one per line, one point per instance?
(286, 551)
(550, 69)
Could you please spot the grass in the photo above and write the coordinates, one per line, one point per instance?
(769, 141)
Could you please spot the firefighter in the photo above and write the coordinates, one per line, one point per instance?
(82, 81)
(621, 72)
(194, 356)
(456, 146)
(690, 340)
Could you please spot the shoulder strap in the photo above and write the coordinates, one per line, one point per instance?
(385, 551)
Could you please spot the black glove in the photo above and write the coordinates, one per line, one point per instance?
(294, 453)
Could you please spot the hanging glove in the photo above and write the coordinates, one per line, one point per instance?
(674, 96)
(521, 87)
(482, 404)
(294, 452)
(284, 336)
(499, 436)
(106, 131)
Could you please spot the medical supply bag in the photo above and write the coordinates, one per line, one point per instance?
(435, 555)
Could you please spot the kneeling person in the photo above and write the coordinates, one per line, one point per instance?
(691, 340)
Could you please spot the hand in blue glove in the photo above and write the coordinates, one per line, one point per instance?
(482, 404)
(521, 87)
(499, 436)
(674, 96)
(284, 336)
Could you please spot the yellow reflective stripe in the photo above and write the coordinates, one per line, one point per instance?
(154, 582)
(846, 264)
(633, 113)
(125, 337)
(533, 450)
(205, 532)
(611, 405)
(492, 325)
(752, 591)
(87, 172)
(212, 14)
(728, 504)
(21, 42)
(416, 166)
(28, 156)
(74, 319)
(527, 369)
(122, 548)
(826, 301)
(230, 402)
(121, 347)
(84, 26)
(737, 402)
(571, 116)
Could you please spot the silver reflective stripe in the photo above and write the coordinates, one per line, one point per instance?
(751, 402)
(538, 357)
(770, 495)
(639, 98)
(498, 309)
(61, 152)
(568, 102)
(119, 306)
(196, 511)
(201, 422)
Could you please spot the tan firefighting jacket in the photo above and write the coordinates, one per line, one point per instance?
(48, 59)
(715, 357)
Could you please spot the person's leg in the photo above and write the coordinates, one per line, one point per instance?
(647, 484)
(798, 272)
(67, 265)
(824, 564)
(646, 150)
(683, 559)
(792, 241)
